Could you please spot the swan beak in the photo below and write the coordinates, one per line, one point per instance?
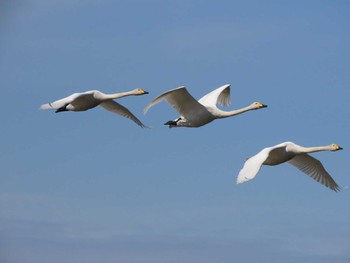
(263, 105)
(145, 92)
(339, 148)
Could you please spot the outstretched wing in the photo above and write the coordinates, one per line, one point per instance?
(314, 168)
(181, 100)
(252, 166)
(115, 107)
(219, 96)
(62, 102)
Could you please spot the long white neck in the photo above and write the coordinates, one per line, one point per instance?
(314, 149)
(117, 95)
(224, 114)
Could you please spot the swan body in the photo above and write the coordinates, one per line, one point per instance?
(90, 99)
(294, 154)
(198, 113)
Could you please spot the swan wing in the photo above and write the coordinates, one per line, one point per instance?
(181, 100)
(314, 168)
(116, 108)
(219, 96)
(252, 166)
(67, 100)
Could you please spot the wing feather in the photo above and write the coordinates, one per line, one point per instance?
(252, 166)
(115, 107)
(181, 100)
(314, 168)
(219, 96)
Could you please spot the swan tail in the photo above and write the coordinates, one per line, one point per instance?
(46, 106)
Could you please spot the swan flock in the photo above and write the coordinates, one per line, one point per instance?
(195, 113)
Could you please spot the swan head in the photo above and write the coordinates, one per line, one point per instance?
(335, 147)
(258, 105)
(139, 92)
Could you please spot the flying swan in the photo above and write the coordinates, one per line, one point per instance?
(294, 154)
(90, 99)
(198, 113)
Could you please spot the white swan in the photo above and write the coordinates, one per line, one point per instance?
(198, 113)
(293, 154)
(90, 99)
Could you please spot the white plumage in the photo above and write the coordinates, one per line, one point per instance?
(198, 113)
(90, 99)
(294, 154)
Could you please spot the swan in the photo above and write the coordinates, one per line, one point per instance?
(90, 99)
(198, 113)
(294, 154)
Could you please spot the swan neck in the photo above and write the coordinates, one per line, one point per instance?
(225, 114)
(117, 95)
(314, 149)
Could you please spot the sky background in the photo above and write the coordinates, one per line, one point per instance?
(95, 187)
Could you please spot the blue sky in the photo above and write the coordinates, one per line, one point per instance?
(94, 187)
